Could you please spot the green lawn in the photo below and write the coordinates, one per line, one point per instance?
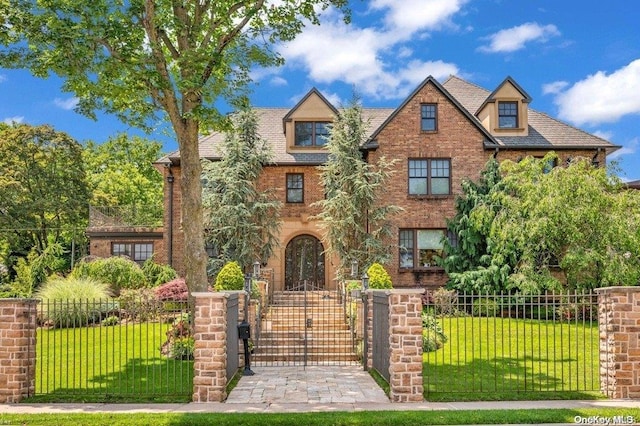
(121, 362)
(503, 358)
(391, 418)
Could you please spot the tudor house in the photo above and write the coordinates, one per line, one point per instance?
(440, 135)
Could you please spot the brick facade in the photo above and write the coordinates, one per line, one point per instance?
(18, 354)
(619, 326)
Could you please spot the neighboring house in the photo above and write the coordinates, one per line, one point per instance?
(440, 135)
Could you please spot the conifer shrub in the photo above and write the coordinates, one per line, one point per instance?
(230, 277)
(157, 274)
(378, 277)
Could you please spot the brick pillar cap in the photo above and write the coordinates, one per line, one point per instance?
(217, 294)
(618, 289)
(14, 300)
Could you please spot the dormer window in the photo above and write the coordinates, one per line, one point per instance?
(311, 133)
(508, 115)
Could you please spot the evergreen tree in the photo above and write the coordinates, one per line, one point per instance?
(354, 224)
(241, 221)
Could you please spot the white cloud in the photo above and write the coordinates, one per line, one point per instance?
(12, 120)
(515, 38)
(627, 149)
(604, 135)
(278, 81)
(66, 104)
(373, 59)
(3, 78)
(602, 98)
(554, 88)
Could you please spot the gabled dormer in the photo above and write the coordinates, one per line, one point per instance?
(306, 125)
(505, 111)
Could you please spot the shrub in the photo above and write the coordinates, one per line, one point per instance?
(485, 307)
(157, 274)
(110, 321)
(577, 311)
(74, 302)
(230, 277)
(172, 291)
(433, 337)
(118, 272)
(141, 304)
(445, 302)
(378, 277)
(180, 342)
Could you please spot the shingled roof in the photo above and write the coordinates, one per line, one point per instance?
(545, 132)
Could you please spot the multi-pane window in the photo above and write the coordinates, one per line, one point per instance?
(429, 176)
(507, 115)
(311, 133)
(428, 117)
(420, 248)
(295, 188)
(138, 252)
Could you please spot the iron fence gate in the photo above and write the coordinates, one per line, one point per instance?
(307, 327)
(380, 331)
(136, 349)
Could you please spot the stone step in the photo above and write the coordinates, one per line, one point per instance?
(310, 358)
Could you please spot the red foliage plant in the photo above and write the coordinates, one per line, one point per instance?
(174, 290)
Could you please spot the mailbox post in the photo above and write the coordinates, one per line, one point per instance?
(244, 330)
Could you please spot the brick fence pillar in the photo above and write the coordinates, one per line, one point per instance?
(18, 349)
(619, 327)
(210, 347)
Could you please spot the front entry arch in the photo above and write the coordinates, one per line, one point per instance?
(304, 261)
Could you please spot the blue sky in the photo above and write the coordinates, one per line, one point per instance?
(578, 59)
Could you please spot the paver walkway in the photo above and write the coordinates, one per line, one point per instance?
(325, 384)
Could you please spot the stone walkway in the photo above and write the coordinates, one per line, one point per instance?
(317, 384)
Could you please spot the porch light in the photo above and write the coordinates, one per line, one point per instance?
(256, 269)
(354, 268)
(365, 281)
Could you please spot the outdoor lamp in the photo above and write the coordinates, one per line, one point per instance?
(354, 268)
(365, 281)
(247, 283)
(256, 269)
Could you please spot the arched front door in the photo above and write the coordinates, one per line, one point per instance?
(304, 260)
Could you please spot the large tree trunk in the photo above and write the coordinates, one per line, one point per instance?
(195, 256)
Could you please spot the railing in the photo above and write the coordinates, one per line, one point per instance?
(134, 215)
(504, 344)
(109, 350)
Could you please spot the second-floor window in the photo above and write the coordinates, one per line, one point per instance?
(508, 115)
(295, 188)
(311, 133)
(429, 176)
(138, 252)
(428, 117)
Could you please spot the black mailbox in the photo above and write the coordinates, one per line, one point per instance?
(244, 331)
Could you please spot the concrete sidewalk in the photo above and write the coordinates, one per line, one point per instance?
(309, 407)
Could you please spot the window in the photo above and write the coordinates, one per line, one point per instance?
(295, 188)
(429, 176)
(428, 117)
(211, 249)
(508, 115)
(311, 133)
(138, 252)
(419, 248)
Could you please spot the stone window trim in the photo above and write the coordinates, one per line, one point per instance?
(414, 258)
(310, 134)
(295, 188)
(138, 251)
(428, 117)
(423, 172)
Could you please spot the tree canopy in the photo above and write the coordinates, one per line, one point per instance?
(354, 222)
(149, 59)
(45, 195)
(577, 219)
(242, 222)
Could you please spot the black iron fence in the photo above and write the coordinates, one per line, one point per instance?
(504, 344)
(110, 350)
